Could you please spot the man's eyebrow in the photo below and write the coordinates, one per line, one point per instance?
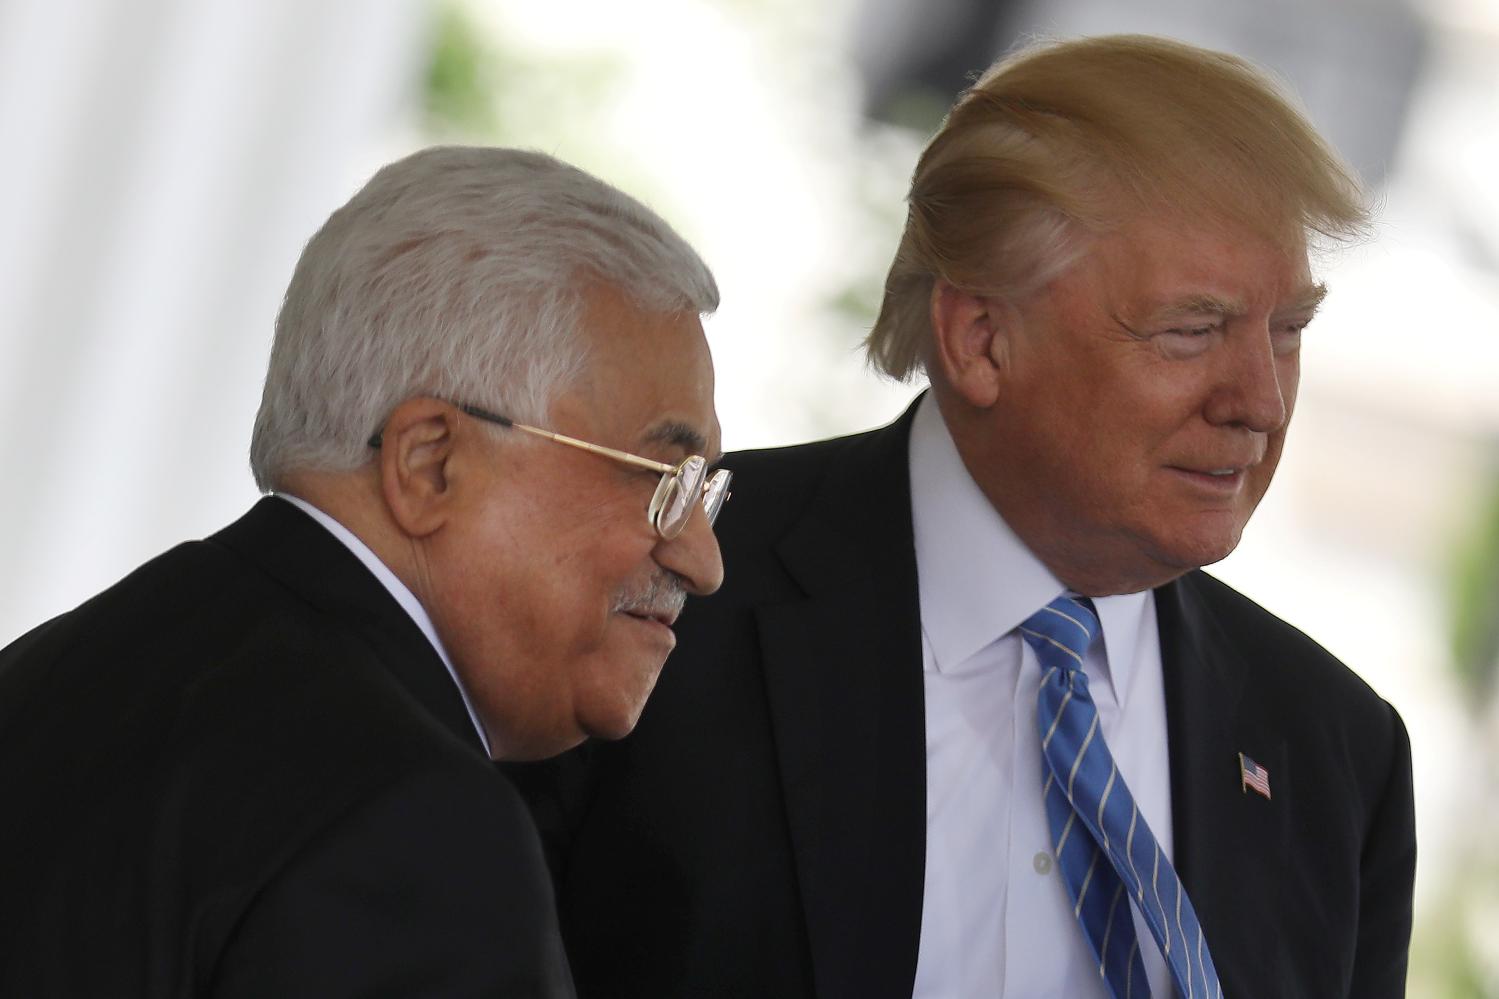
(1304, 301)
(675, 433)
(1307, 300)
(1197, 305)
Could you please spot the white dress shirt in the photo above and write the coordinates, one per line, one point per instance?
(397, 589)
(996, 919)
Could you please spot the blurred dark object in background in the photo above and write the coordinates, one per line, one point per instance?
(1353, 63)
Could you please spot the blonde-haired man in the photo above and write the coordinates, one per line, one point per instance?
(968, 720)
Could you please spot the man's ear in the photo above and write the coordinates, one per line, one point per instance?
(416, 446)
(970, 341)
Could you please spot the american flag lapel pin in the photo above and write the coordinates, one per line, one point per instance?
(1253, 776)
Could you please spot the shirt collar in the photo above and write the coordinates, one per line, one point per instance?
(397, 589)
(977, 579)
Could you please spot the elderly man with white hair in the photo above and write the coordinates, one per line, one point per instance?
(261, 764)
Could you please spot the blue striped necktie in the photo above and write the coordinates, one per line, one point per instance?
(1103, 846)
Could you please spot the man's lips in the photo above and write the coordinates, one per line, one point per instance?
(1226, 478)
(666, 618)
(657, 624)
(1220, 464)
(1212, 469)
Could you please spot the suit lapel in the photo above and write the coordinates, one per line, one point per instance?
(843, 672)
(298, 552)
(1227, 842)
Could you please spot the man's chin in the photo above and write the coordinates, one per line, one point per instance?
(1187, 553)
(613, 726)
(616, 715)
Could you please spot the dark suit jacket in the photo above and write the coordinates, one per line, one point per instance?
(243, 771)
(762, 833)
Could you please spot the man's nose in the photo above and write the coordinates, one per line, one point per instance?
(1254, 385)
(693, 555)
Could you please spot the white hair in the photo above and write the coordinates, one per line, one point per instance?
(459, 273)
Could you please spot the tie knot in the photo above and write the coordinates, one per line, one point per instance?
(1061, 632)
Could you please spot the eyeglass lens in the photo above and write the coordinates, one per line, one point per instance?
(679, 492)
(682, 489)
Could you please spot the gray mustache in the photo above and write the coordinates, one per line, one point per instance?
(663, 596)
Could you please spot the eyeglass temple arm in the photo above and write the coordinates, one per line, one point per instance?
(624, 456)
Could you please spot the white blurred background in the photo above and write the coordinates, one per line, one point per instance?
(164, 161)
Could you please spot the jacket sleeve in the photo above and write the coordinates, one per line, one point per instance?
(1387, 876)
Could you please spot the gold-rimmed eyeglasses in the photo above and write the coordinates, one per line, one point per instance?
(671, 506)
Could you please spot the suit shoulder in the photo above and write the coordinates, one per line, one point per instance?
(797, 463)
(176, 586)
(1279, 653)
(231, 706)
(773, 487)
(188, 594)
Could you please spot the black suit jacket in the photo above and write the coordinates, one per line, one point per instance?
(244, 771)
(762, 833)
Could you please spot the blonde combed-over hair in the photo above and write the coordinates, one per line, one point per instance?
(1066, 139)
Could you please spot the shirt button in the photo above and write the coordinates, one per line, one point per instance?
(1042, 862)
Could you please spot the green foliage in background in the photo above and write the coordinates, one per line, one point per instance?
(1447, 961)
(460, 76)
(1475, 601)
(485, 85)
(481, 87)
